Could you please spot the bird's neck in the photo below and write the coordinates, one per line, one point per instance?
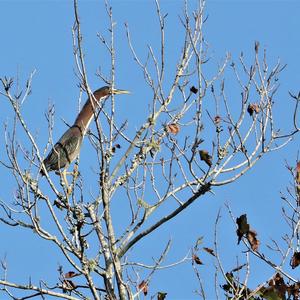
(86, 114)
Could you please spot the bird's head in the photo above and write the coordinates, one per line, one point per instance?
(107, 91)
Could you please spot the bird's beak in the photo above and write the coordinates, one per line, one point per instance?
(118, 92)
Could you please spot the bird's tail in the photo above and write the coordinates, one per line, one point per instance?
(42, 171)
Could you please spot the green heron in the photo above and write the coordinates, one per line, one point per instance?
(68, 146)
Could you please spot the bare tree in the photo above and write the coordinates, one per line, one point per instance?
(281, 259)
(182, 151)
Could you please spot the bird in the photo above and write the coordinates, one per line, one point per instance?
(68, 146)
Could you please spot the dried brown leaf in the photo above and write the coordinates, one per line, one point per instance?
(217, 119)
(71, 274)
(115, 147)
(294, 290)
(298, 178)
(173, 128)
(276, 289)
(243, 227)
(161, 295)
(295, 261)
(253, 241)
(245, 231)
(205, 156)
(253, 108)
(210, 251)
(197, 260)
(144, 287)
(194, 90)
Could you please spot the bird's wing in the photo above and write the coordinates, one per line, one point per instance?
(70, 144)
(65, 150)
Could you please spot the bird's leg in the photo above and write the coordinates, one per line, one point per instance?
(75, 172)
(64, 178)
(64, 181)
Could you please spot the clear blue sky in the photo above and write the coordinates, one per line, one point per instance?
(36, 35)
